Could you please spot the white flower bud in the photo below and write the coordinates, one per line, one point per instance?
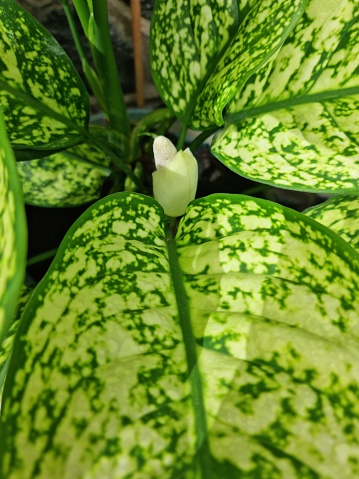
(176, 178)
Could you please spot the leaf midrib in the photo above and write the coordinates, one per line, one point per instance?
(194, 375)
(290, 102)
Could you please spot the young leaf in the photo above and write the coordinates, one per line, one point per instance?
(295, 123)
(203, 52)
(176, 177)
(46, 104)
(71, 177)
(340, 214)
(230, 351)
(13, 233)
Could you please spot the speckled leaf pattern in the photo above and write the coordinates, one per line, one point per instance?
(275, 314)
(71, 177)
(264, 29)
(231, 351)
(341, 214)
(186, 39)
(202, 52)
(295, 124)
(7, 343)
(13, 234)
(117, 354)
(45, 101)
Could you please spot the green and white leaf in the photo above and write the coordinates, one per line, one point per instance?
(230, 351)
(202, 52)
(7, 343)
(341, 214)
(45, 102)
(295, 124)
(13, 233)
(69, 178)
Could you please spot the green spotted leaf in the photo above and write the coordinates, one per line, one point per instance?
(7, 343)
(71, 177)
(341, 214)
(13, 234)
(202, 51)
(228, 351)
(295, 123)
(45, 102)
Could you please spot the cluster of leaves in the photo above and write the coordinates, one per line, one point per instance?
(228, 348)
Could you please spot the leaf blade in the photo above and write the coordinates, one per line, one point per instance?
(71, 177)
(203, 52)
(45, 102)
(12, 231)
(272, 22)
(182, 50)
(7, 343)
(304, 104)
(340, 214)
(271, 380)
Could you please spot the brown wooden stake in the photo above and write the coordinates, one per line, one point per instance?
(137, 52)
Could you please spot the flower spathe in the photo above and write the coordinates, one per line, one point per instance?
(175, 180)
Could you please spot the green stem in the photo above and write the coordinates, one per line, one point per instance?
(161, 116)
(182, 136)
(104, 58)
(121, 165)
(41, 257)
(83, 12)
(200, 139)
(202, 445)
(89, 72)
(73, 29)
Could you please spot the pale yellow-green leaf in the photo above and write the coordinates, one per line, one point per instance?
(295, 124)
(341, 214)
(68, 178)
(45, 102)
(202, 52)
(13, 234)
(228, 351)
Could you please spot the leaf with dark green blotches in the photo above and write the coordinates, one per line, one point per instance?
(7, 343)
(341, 214)
(203, 52)
(68, 178)
(230, 351)
(295, 124)
(45, 102)
(29, 154)
(13, 234)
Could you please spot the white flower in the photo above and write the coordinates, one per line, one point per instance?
(175, 180)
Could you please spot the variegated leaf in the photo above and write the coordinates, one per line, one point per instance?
(202, 52)
(7, 343)
(13, 234)
(71, 177)
(45, 102)
(341, 214)
(295, 124)
(230, 351)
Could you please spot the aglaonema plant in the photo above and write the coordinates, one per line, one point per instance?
(223, 344)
